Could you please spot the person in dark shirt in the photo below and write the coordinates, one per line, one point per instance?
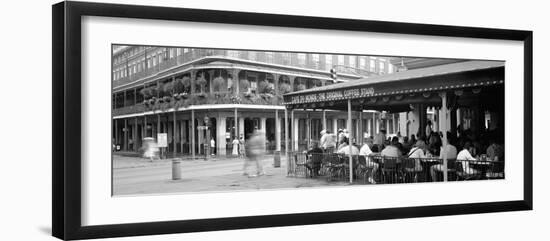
(315, 156)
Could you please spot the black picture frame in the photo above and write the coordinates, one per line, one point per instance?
(66, 122)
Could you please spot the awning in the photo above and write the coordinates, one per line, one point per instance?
(401, 88)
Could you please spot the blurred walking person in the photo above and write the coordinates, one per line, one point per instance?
(150, 148)
(254, 153)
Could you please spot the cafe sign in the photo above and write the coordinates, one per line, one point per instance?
(332, 95)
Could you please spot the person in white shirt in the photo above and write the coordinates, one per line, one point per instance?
(464, 156)
(366, 151)
(451, 155)
(212, 146)
(418, 151)
(345, 148)
(323, 140)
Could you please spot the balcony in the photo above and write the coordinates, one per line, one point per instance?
(186, 100)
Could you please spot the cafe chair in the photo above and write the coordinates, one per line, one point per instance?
(335, 167)
(410, 172)
(300, 162)
(495, 171)
(466, 173)
(363, 169)
(389, 170)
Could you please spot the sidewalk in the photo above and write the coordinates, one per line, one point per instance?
(133, 176)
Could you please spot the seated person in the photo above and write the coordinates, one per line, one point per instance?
(392, 150)
(495, 152)
(451, 155)
(315, 158)
(345, 148)
(464, 157)
(417, 151)
(366, 151)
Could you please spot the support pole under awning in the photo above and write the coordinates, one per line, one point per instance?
(444, 130)
(350, 144)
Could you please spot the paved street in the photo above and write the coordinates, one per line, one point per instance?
(133, 175)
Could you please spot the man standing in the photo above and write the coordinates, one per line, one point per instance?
(380, 138)
(328, 141)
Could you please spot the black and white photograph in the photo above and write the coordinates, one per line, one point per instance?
(192, 119)
(274, 120)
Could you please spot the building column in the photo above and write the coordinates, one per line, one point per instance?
(350, 143)
(286, 134)
(116, 133)
(276, 82)
(291, 136)
(174, 134)
(135, 134)
(221, 141)
(393, 123)
(236, 124)
(210, 85)
(277, 131)
(241, 127)
(374, 127)
(236, 83)
(193, 133)
(193, 81)
(334, 126)
(455, 114)
(325, 120)
(387, 124)
(377, 123)
(295, 127)
(125, 141)
(308, 130)
(263, 122)
(144, 129)
(443, 96)
(182, 132)
(360, 128)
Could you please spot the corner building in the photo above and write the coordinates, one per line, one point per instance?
(179, 91)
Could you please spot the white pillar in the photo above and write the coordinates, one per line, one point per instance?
(241, 127)
(291, 136)
(374, 126)
(387, 125)
(308, 130)
(263, 130)
(220, 140)
(236, 125)
(295, 133)
(325, 120)
(360, 129)
(193, 133)
(350, 143)
(277, 131)
(334, 125)
(444, 130)
(286, 134)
